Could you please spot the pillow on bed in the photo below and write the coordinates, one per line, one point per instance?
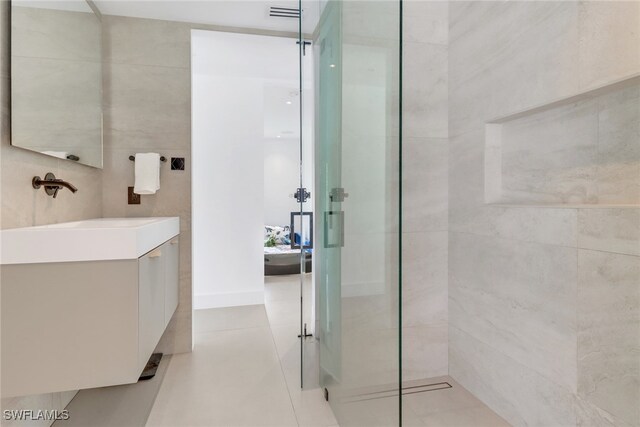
(279, 234)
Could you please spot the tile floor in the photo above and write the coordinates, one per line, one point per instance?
(123, 405)
(244, 371)
(452, 407)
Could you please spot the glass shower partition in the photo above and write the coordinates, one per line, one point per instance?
(357, 160)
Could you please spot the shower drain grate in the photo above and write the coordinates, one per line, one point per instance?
(420, 388)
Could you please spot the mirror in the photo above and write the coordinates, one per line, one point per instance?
(56, 79)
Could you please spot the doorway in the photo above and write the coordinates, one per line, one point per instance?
(252, 187)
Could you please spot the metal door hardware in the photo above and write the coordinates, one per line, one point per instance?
(305, 334)
(338, 195)
(301, 195)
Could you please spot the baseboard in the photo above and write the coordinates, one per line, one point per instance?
(232, 299)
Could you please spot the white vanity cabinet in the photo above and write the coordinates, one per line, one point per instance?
(172, 274)
(157, 296)
(69, 325)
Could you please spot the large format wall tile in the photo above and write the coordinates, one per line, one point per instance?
(424, 278)
(424, 97)
(610, 230)
(137, 41)
(609, 332)
(425, 153)
(425, 184)
(584, 152)
(49, 33)
(500, 292)
(469, 213)
(425, 352)
(371, 21)
(618, 174)
(588, 415)
(57, 106)
(426, 22)
(148, 107)
(517, 393)
(513, 271)
(609, 40)
(551, 157)
(56, 82)
(505, 57)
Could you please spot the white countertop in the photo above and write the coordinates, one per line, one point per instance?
(88, 240)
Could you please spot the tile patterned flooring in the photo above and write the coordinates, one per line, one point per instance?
(244, 371)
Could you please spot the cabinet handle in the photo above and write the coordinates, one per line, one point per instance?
(155, 254)
(174, 242)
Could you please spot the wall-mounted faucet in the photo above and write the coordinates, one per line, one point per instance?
(51, 184)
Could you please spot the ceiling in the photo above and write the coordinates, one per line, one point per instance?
(68, 5)
(268, 68)
(229, 13)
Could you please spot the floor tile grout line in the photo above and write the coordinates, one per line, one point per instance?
(164, 375)
(230, 329)
(284, 377)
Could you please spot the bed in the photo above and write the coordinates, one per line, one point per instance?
(280, 257)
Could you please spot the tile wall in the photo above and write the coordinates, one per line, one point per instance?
(544, 317)
(425, 148)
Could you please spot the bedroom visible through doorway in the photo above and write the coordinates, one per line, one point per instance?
(252, 137)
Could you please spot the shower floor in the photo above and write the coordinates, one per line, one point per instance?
(447, 407)
(441, 406)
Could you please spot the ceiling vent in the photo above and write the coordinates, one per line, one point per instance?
(284, 12)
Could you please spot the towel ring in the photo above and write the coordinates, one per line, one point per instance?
(162, 158)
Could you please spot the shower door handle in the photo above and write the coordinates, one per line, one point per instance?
(334, 229)
(338, 194)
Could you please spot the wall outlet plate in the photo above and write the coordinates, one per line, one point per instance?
(133, 198)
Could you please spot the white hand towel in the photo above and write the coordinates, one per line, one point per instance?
(147, 173)
(58, 154)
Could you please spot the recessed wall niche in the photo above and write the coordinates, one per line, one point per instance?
(581, 150)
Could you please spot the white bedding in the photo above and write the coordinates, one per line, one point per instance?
(280, 249)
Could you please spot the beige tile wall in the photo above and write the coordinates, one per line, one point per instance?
(148, 109)
(544, 324)
(147, 77)
(425, 150)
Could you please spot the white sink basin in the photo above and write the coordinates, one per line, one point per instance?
(89, 240)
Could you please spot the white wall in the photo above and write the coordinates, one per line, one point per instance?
(281, 178)
(232, 75)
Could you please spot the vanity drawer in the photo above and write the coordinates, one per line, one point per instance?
(151, 299)
(76, 325)
(172, 279)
